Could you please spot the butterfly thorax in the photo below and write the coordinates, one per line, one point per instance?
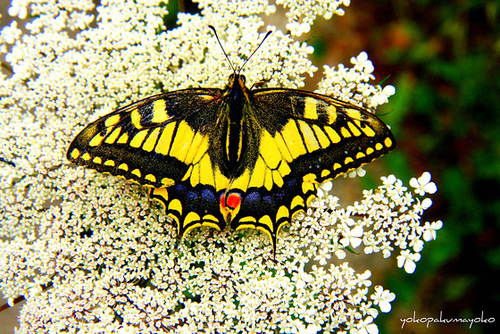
(233, 129)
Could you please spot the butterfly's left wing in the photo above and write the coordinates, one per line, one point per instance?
(305, 139)
(155, 142)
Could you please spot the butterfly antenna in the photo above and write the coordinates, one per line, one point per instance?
(246, 61)
(227, 57)
(225, 54)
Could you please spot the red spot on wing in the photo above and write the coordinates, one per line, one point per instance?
(230, 202)
(233, 201)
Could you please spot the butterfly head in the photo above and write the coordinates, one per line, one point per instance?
(236, 80)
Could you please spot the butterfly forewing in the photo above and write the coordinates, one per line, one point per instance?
(153, 141)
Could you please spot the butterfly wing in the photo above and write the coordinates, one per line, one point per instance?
(305, 139)
(155, 142)
(174, 142)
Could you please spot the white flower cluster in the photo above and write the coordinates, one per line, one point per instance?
(387, 217)
(92, 253)
(352, 84)
(301, 14)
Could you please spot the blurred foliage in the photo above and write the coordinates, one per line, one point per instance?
(443, 58)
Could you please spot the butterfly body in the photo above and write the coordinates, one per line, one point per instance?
(238, 156)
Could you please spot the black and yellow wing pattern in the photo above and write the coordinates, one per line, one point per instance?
(248, 158)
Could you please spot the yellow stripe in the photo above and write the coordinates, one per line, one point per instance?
(139, 138)
(283, 212)
(268, 179)
(199, 143)
(355, 131)
(200, 151)
(167, 182)
(293, 140)
(182, 140)
(150, 177)
(277, 179)
(280, 143)
(135, 118)
(266, 220)
(187, 175)
(163, 145)
(269, 150)
(206, 171)
(159, 113)
(296, 202)
(150, 143)
(210, 224)
(191, 217)
(98, 138)
(284, 169)
(113, 136)
(333, 135)
(75, 153)
(123, 139)
(175, 205)
(309, 137)
(194, 177)
(344, 132)
(331, 111)
(322, 137)
(189, 228)
(310, 108)
(367, 130)
(123, 166)
(258, 174)
(113, 120)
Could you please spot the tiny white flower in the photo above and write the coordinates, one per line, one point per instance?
(430, 230)
(363, 62)
(423, 184)
(382, 95)
(365, 326)
(324, 189)
(383, 298)
(312, 329)
(407, 260)
(352, 237)
(389, 180)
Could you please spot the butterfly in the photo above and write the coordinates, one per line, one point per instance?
(248, 158)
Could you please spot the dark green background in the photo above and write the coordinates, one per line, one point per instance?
(443, 59)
